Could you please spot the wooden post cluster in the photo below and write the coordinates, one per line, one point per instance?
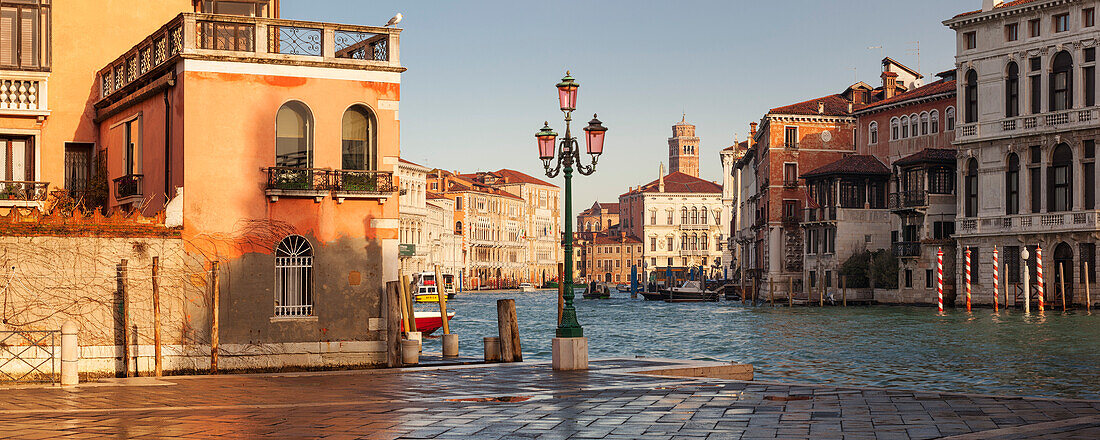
(393, 323)
(508, 329)
(404, 287)
(442, 301)
(403, 302)
(215, 302)
(844, 290)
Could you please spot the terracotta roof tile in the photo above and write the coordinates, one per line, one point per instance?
(1002, 5)
(928, 155)
(936, 88)
(678, 182)
(835, 105)
(859, 164)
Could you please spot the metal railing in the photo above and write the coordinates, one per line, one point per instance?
(820, 214)
(25, 353)
(24, 190)
(907, 249)
(128, 186)
(298, 179)
(253, 39)
(363, 182)
(908, 199)
(1028, 223)
(319, 181)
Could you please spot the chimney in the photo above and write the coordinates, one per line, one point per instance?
(850, 106)
(661, 179)
(820, 107)
(988, 5)
(752, 130)
(889, 84)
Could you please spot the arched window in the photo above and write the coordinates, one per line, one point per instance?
(1060, 180)
(872, 133)
(972, 188)
(924, 124)
(935, 121)
(914, 125)
(684, 215)
(359, 151)
(904, 127)
(703, 241)
(599, 226)
(685, 243)
(1012, 90)
(971, 97)
(950, 121)
(895, 129)
(294, 136)
(294, 277)
(458, 228)
(1061, 82)
(694, 216)
(1012, 185)
(703, 216)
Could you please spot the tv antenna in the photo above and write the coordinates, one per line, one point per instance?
(915, 51)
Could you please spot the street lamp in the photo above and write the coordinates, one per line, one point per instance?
(568, 155)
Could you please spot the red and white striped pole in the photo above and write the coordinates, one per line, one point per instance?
(1039, 274)
(968, 279)
(996, 281)
(939, 278)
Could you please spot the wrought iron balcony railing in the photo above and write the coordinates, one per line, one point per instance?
(826, 214)
(298, 179)
(128, 186)
(907, 249)
(24, 190)
(363, 182)
(253, 39)
(908, 200)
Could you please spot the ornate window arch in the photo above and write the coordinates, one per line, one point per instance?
(1012, 185)
(914, 125)
(694, 215)
(294, 136)
(924, 124)
(1012, 90)
(971, 187)
(895, 129)
(1060, 179)
(935, 121)
(1061, 82)
(904, 127)
(359, 150)
(872, 133)
(949, 119)
(970, 97)
(703, 216)
(294, 277)
(684, 215)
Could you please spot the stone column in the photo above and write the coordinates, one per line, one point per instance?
(70, 354)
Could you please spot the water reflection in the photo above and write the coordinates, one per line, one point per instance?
(1008, 352)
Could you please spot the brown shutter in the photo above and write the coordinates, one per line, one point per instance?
(28, 159)
(28, 38)
(7, 34)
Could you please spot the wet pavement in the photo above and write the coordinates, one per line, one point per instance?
(526, 400)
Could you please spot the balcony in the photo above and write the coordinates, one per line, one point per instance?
(1031, 124)
(23, 93)
(1030, 223)
(23, 193)
(319, 182)
(906, 249)
(813, 215)
(354, 184)
(128, 187)
(251, 40)
(908, 200)
(694, 253)
(699, 227)
(790, 184)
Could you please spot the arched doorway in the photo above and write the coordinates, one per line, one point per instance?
(1063, 266)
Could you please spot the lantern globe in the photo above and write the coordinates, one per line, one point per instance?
(546, 140)
(595, 132)
(567, 93)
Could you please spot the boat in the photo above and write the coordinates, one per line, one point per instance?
(526, 287)
(428, 321)
(597, 291)
(691, 291)
(426, 288)
(655, 296)
(623, 287)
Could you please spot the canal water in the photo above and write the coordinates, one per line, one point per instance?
(1051, 355)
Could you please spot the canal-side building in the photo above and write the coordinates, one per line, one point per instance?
(611, 258)
(912, 133)
(412, 249)
(1027, 140)
(600, 219)
(731, 191)
(442, 240)
(745, 236)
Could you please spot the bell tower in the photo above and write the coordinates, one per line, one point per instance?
(683, 149)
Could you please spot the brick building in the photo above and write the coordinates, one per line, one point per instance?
(611, 257)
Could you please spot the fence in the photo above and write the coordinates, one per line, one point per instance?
(24, 355)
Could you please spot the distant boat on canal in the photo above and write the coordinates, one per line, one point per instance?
(597, 291)
(691, 291)
(526, 287)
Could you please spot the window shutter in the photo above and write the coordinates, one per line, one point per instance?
(28, 38)
(7, 34)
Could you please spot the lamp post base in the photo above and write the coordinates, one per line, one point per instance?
(570, 353)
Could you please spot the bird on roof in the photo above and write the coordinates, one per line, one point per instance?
(393, 21)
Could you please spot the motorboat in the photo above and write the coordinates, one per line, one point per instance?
(691, 291)
(428, 321)
(597, 291)
(526, 287)
(427, 290)
(623, 287)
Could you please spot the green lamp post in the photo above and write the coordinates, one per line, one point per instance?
(568, 155)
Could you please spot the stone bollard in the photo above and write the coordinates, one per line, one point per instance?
(450, 345)
(492, 349)
(419, 338)
(410, 352)
(70, 354)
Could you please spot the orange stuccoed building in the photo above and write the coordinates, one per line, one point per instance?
(269, 145)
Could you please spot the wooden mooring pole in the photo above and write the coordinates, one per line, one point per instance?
(125, 299)
(157, 366)
(1062, 284)
(404, 289)
(771, 292)
(508, 329)
(442, 301)
(393, 324)
(790, 291)
(405, 318)
(1088, 296)
(215, 301)
(844, 290)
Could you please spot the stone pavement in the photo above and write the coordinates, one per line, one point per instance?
(522, 401)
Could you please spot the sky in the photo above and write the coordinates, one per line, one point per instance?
(481, 74)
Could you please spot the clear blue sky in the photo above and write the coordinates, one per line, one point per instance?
(481, 74)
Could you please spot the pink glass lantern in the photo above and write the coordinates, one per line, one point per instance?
(595, 132)
(546, 138)
(567, 93)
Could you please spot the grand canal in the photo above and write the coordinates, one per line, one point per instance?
(1054, 355)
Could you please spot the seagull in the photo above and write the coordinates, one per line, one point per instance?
(393, 21)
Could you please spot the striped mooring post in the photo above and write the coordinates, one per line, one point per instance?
(967, 279)
(939, 278)
(1039, 274)
(996, 281)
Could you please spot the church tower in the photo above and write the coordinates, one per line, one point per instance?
(683, 149)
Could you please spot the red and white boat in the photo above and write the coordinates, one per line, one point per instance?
(428, 322)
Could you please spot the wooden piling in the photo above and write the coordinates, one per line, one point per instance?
(404, 289)
(508, 329)
(442, 302)
(821, 291)
(1088, 296)
(561, 290)
(393, 324)
(790, 291)
(771, 292)
(124, 295)
(215, 301)
(844, 290)
(405, 318)
(157, 365)
(1062, 284)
